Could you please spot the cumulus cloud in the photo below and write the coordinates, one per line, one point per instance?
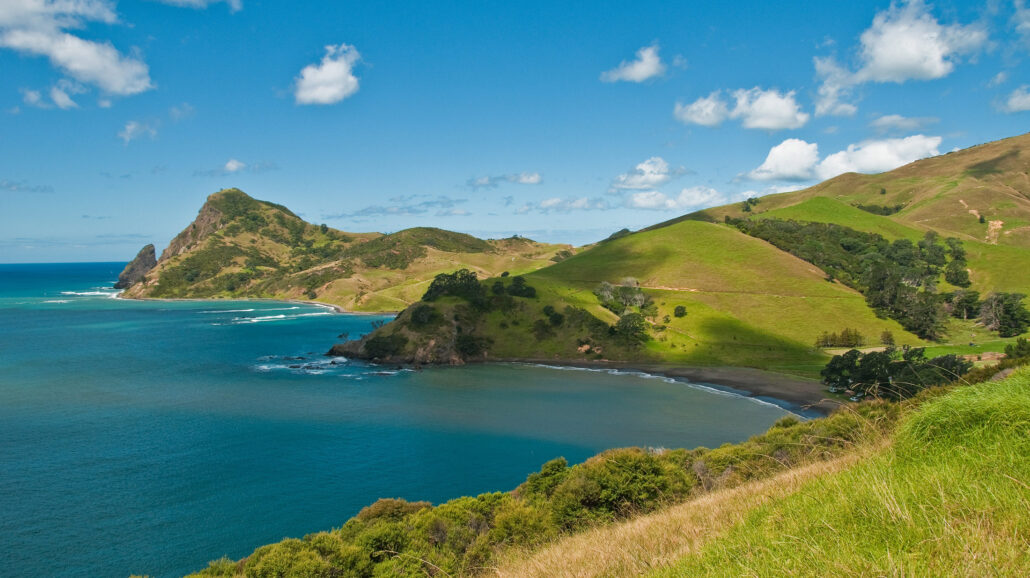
(234, 5)
(654, 172)
(877, 156)
(1019, 100)
(689, 198)
(331, 80)
(756, 108)
(905, 42)
(136, 129)
(791, 160)
(898, 123)
(491, 182)
(40, 27)
(710, 110)
(647, 65)
(234, 166)
(834, 89)
(768, 109)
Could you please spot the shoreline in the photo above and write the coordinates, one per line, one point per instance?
(334, 307)
(806, 397)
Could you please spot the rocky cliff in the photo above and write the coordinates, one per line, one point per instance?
(138, 268)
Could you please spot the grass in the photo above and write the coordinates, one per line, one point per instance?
(948, 494)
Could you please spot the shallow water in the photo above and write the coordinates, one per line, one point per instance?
(151, 437)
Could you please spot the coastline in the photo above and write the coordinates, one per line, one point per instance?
(807, 397)
(334, 307)
(796, 394)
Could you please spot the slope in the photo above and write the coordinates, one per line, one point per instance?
(948, 193)
(746, 303)
(240, 247)
(947, 496)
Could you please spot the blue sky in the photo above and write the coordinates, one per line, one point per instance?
(561, 121)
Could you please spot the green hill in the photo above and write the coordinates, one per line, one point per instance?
(241, 247)
(948, 193)
(747, 303)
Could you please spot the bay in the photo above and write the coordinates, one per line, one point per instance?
(151, 437)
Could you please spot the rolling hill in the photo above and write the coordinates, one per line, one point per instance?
(240, 247)
(747, 302)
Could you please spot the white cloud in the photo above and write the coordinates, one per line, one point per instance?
(689, 198)
(647, 65)
(234, 166)
(710, 110)
(135, 129)
(491, 182)
(234, 5)
(32, 98)
(834, 88)
(61, 94)
(564, 205)
(330, 81)
(791, 160)
(1021, 20)
(998, 79)
(654, 172)
(877, 156)
(898, 123)
(1019, 100)
(905, 42)
(768, 109)
(39, 27)
(181, 112)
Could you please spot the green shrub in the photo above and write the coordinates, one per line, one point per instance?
(680, 311)
(381, 346)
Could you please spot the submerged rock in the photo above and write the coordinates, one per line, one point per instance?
(134, 272)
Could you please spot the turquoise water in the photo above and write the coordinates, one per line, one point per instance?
(151, 437)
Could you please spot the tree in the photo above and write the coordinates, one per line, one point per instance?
(957, 274)
(1020, 349)
(1005, 313)
(887, 338)
(632, 328)
(679, 311)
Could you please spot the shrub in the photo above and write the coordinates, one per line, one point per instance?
(382, 346)
(468, 345)
(680, 311)
(423, 315)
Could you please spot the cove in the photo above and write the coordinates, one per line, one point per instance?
(151, 437)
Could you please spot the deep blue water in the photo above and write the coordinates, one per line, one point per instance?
(151, 437)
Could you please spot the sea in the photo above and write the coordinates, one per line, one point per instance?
(150, 437)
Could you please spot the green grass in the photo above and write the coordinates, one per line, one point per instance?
(827, 210)
(949, 497)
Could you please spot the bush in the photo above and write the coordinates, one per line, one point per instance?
(680, 311)
(461, 283)
(468, 345)
(519, 288)
(423, 315)
(382, 346)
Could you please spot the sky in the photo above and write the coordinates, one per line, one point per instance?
(559, 121)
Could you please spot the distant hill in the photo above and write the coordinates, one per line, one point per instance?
(241, 247)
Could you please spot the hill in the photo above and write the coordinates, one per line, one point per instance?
(947, 193)
(240, 247)
(751, 282)
(742, 301)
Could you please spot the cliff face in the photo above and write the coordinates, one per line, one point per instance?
(208, 221)
(137, 269)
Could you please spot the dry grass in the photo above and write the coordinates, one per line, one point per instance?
(658, 540)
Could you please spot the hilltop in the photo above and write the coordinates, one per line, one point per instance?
(240, 247)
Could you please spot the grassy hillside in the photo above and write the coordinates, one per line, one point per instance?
(946, 495)
(243, 247)
(746, 303)
(947, 193)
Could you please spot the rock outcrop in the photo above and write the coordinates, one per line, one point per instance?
(137, 269)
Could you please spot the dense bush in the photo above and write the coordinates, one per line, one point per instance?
(893, 373)
(462, 283)
(1005, 313)
(383, 346)
(881, 209)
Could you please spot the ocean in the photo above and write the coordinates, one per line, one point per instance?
(149, 437)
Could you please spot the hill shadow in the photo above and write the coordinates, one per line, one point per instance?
(992, 166)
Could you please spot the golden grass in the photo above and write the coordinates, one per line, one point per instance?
(659, 540)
